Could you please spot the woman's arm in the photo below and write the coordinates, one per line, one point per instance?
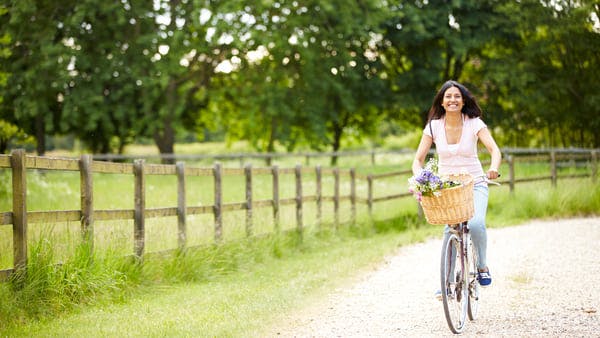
(488, 141)
(421, 154)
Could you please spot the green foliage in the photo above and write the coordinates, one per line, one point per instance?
(11, 135)
(317, 82)
(34, 64)
(296, 75)
(536, 85)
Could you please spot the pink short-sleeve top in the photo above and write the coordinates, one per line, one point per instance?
(461, 157)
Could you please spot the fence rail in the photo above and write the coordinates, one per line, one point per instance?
(20, 217)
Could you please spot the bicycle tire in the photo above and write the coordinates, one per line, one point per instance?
(454, 284)
(473, 307)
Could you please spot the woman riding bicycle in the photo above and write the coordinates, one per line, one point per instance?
(455, 126)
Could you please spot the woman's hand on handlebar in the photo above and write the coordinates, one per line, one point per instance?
(492, 174)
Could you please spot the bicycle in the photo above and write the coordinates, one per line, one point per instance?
(459, 284)
(458, 268)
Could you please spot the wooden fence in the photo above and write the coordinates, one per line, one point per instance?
(20, 217)
(268, 158)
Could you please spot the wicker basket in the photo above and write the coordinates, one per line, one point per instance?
(454, 205)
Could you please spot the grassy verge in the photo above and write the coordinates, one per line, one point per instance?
(227, 290)
(237, 288)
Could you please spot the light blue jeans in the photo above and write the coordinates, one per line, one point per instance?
(477, 223)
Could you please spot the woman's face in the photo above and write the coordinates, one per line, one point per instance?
(453, 100)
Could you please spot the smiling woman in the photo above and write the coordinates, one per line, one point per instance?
(455, 126)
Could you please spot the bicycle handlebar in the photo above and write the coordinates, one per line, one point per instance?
(485, 179)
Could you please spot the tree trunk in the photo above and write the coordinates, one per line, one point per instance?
(337, 140)
(165, 141)
(271, 144)
(165, 137)
(40, 134)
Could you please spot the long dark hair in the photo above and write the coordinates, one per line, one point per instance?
(470, 107)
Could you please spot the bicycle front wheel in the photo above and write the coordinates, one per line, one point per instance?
(454, 283)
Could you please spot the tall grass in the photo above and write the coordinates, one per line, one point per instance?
(571, 197)
(46, 288)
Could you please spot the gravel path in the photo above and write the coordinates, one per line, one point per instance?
(546, 282)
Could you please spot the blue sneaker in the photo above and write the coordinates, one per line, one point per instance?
(484, 278)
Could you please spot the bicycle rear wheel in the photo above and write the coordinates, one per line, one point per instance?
(454, 283)
(473, 282)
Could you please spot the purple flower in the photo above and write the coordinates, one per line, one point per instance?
(428, 183)
(425, 177)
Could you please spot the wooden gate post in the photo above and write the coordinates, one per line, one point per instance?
(594, 166)
(276, 217)
(218, 206)
(319, 192)
(19, 185)
(299, 225)
(511, 173)
(370, 196)
(553, 176)
(353, 195)
(181, 206)
(248, 174)
(336, 197)
(86, 184)
(139, 208)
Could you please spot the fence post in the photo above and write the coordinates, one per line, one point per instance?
(336, 196)
(86, 185)
(553, 167)
(511, 172)
(370, 195)
(181, 206)
(139, 208)
(299, 224)
(19, 185)
(218, 206)
(248, 174)
(276, 219)
(594, 166)
(353, 195)
(319, 192)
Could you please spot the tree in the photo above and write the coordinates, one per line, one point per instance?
(195, 37)
(428, 43)
(36, 76)
(110, 49)
(542, 83)
(316, 74)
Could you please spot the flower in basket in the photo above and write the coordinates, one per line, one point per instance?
(428, 182)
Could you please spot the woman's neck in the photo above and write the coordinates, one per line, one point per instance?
(454, 119)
